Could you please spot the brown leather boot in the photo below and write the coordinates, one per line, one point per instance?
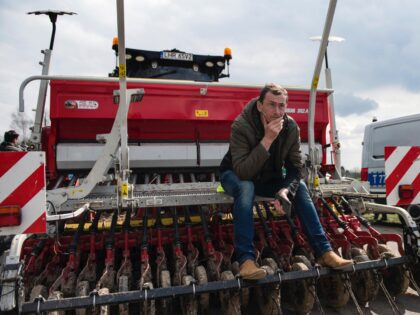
(332, 260)
(249, 271)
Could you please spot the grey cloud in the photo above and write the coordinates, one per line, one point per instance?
(347, 104)
(382, 44)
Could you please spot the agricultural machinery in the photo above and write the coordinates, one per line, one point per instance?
(118, 210)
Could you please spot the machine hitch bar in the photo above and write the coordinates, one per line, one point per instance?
(143, 295)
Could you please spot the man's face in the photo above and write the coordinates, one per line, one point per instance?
(273, 106)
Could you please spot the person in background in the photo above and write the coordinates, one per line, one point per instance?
(264, 159)
(10, 142)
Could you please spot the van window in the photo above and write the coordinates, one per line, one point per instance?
(393, 135)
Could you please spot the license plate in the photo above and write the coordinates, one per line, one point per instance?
(173, 55)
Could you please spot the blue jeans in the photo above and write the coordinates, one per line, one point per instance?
(243, 193)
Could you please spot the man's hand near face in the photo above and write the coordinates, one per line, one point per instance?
(271, 130)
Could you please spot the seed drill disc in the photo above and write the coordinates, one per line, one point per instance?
(201, 276)
(123, 287)
(244, 292)
(165, 282)
(396, 279)
(364, 284)
(82, 289)
(332, 291)
(104, 309)
(56, 295)
(229, 300)
(268, 296)
(302, 259)
(189, 303)
(38, 290)
(271, 263)
(298, 295)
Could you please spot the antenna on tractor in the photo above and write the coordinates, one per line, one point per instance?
(53, 18)
(36, 130)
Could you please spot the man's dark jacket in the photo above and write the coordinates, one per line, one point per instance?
(248, 158)
(8, 146)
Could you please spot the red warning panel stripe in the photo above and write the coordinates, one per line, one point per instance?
(389, 151)
(23, 184)
(393, 179)
(8, 159)
(27, 189)
(38, 226)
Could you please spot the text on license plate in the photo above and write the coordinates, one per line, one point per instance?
(176, 55)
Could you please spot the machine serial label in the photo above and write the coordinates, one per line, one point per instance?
(201, 113)
(81, 104)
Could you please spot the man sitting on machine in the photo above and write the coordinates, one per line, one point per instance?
(264, 159)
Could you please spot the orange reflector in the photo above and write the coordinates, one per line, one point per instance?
(406, 191)
(10, 216)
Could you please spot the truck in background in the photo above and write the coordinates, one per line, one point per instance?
(399, 131)
(395, 135)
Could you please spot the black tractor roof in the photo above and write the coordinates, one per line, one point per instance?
(173, 64)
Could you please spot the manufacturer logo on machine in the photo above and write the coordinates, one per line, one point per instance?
(291, 110)
(81, 104)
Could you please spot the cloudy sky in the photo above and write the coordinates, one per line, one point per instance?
(375, 71)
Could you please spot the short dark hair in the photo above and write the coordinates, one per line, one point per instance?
(10, 135)
(272, 88)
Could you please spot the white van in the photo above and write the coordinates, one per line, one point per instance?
(402, 131)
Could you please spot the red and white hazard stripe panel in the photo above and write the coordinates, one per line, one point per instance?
(402, 175)
(22, 193)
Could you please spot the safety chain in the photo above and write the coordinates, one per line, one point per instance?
(388, 296)
(315, 293)
(413, 282)
(347, 284)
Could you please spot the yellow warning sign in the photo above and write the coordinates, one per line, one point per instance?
(220, 189)
(124, 190)
(122, 72)
(201, 113)
(316, 181)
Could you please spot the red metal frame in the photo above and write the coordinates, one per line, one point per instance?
(166, 113)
